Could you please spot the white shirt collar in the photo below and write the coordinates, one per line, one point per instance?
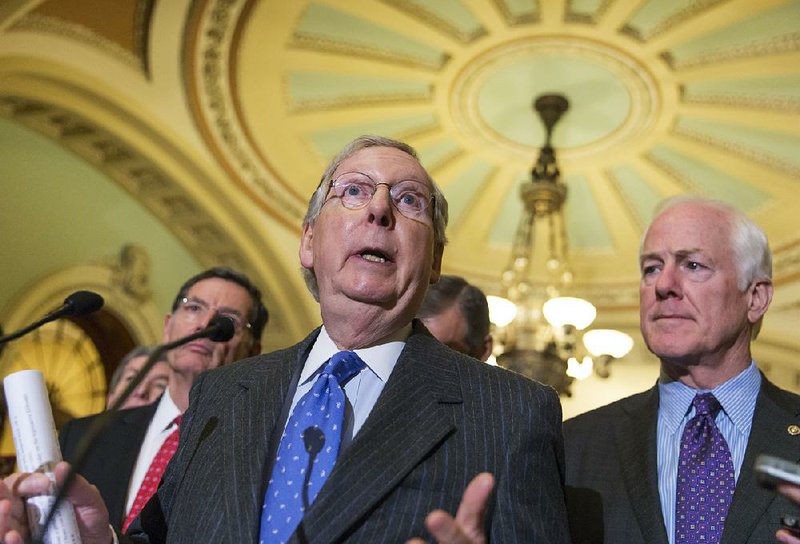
(380, 359)
(166, 412)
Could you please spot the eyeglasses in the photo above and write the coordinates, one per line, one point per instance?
(195, 310)
(411, 198)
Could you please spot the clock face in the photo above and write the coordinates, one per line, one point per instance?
(72, 368)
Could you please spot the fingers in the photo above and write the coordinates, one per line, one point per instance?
(29, 484)
(445, 529)
(785, 536)
(791, 491)
(90, 510)
(467, 526)
(13, 521)
(473, 503)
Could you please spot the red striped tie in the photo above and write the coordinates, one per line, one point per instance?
(154, 473)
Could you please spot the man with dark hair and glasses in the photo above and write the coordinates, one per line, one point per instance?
(120, 460)
(369, 430)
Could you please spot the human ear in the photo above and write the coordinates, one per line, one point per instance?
(307, 247)
(760, 293)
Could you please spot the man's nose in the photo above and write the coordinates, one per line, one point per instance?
(380, 207)
(668, 282)
(210, 314)
(141, 391)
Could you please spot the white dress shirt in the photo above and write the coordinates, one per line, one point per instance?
(161, 426)
(363, 390)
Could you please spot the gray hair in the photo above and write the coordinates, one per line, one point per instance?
(748, 241)
(139, 351)
(318, 198)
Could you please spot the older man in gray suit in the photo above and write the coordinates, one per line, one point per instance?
(420, 420)
(675, 463)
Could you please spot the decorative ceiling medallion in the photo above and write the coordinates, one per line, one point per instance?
(494, 87)
(211, 87)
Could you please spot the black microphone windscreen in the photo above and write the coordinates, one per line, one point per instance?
(313, 439)
(222, 328)
(83, 302)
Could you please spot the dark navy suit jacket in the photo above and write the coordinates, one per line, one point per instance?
(612, 479)
(442, 418)
(111, 459)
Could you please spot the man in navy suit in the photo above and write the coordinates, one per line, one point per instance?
(122, 454)
(705, 286)
(422, 422)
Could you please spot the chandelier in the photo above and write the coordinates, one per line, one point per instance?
(537, 329)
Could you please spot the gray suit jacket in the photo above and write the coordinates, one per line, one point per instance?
(612, 480)
(441, 419)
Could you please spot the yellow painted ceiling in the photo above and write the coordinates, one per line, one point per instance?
(218, 116)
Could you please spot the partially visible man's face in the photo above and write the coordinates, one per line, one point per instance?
(149, 389)
(691, 308)
(215, 295)
(374, 255)
(450, 328)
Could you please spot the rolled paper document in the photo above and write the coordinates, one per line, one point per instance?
(36, 444)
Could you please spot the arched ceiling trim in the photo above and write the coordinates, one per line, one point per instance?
(120, 28)
(210, 61)
(171, 184)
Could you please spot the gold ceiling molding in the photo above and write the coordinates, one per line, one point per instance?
(732, 99)
(177, 209)
(684, 182)
(434, 21)
(44, 24)
(317, 43)
(684, 14)
(636, 77)
(511, 19)
(572, 15)
(626, 199)
(155, 190)
(770, 161)
(211, 41)
(770, 47)
(338, 103)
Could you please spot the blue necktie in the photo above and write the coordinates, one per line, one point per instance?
(706, 478)
(308, 449)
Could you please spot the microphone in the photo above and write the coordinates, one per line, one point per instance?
(219, 329)
(78, 303)
(313, 439)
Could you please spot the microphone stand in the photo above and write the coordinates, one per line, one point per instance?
(314, 440)
(78, 303)
(219, 329)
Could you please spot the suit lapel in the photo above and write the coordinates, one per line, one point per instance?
(253, 412)
(407, 418)
(775, 411)
(123, 443)
(636, 444)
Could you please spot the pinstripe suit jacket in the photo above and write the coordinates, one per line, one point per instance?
(110, 462)
(442, 418)
(612, 479)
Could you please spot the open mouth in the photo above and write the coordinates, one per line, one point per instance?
(374, 256)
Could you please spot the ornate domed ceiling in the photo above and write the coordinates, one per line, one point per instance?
(233, 108)
(666, 97)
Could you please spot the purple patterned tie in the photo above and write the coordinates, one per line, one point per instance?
(706, 478)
